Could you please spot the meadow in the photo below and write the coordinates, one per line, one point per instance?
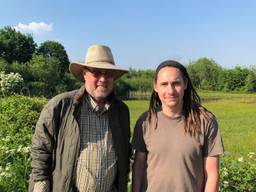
(236, 115)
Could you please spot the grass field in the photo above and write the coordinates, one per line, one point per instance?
(236, 114)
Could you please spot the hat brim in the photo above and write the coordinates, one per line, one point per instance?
(76, 68)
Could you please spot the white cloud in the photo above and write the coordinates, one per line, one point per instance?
(34, 27)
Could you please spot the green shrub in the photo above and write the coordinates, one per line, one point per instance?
(239, 174)
(18, 116)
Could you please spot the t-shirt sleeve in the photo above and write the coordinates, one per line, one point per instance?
(138, 142)
(213, 144)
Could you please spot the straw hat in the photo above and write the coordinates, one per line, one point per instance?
(99, 57)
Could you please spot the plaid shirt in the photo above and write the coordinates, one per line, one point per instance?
(96, 165)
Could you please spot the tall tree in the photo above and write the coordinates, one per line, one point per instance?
(43, 75)
(55, 50)
(204, 73)
(15, 46)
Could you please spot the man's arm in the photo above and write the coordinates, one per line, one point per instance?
(211, 168)
(41, 151)
(138, 171)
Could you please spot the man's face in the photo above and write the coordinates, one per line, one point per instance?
(170, 87)
(98, 82)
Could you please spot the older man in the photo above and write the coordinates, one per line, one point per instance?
(81, 140)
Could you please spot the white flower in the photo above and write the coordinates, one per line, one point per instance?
(225, 171)
(19, 148)
(26, 149)
(251, 155)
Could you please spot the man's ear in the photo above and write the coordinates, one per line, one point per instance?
(84, 73)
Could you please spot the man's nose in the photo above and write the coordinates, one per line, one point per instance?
(103, 77)
(170, 88)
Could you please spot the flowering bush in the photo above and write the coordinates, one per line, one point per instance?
(18, 116)
(10, 83)
(238, 174)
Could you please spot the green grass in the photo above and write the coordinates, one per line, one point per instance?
(237, 121)
(236, 114)
(137, 107)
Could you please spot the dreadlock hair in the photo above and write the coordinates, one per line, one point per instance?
(192, 108)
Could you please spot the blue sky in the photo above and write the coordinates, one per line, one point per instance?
(142, 33)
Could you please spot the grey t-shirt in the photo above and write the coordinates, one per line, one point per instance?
(175, 158)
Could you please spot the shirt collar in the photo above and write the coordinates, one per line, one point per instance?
(96, 107)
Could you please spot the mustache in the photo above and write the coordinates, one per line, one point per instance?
(102, 84)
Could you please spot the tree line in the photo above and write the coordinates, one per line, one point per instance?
(44, 70)
(205, 74)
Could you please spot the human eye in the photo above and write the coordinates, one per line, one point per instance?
(176, 84)
(109, 74)
(97, 73)
(163, 84)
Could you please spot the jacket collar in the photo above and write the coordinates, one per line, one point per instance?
(79, 95)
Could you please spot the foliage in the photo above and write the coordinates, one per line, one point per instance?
(23, 69)
(53, 49)
(238, 174)
(44, 73)
(122, 86)
(67, 83)
(43, 78)
(18, 116)
(44, 70)
(4, 66)
(250, 82)
(10, 83)
(139, 80)
(235, 79)
(205, 73)
(15, 46)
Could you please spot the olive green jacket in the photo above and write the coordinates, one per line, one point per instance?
(56, 141)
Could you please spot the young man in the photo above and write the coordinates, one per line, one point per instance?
(81, 140)
(177, 141)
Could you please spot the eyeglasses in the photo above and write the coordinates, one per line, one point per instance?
(98, 73)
